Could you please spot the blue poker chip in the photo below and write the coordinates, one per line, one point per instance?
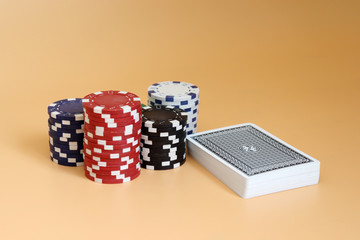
(65, 130)
(66, 122)
(61, 149)
(67, 109)
(62, 126)
(67, 158)
(66, 163)
(69, 135)
(173, 91)
(67, 148)
(178, 104)
(65, 140)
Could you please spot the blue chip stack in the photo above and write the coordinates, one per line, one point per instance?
(180, 95)
(66, 132)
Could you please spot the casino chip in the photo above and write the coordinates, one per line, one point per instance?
(112, 131)
(66, 132)
(179, 95)
(163, 137)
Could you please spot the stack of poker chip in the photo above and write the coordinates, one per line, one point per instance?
(66, 124)
(163, 136)
(112, 136)
(180, 95)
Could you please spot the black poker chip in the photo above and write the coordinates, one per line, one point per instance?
(163, 146)
(163, 116)
(153, 166)
(161, 155)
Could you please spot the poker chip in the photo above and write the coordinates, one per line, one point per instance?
(106, 133)
(94, 178)
(112, 131)
(162, 137)
(173, 91)
(109, 142)
(170, 165)
(66, 123)
(66, 163)
(62, 126)
(113, 154)
(180, 95)
(68, 159)
(114, 147)
(111, 137)
(63, 149)
(67, 109)
(111, 102)
(65, 134)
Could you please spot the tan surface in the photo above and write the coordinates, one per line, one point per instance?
(292, 67)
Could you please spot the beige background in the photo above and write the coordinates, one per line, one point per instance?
(292, 67)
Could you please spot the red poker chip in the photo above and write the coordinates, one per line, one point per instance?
(106, 133)
(112, 137)
(111, 177)
(119, 117)
(114, 155)
(106, 181)
(111, 156)
(114, 147)
(120, 129)
(121, 151)
(112, 160)
(111, 102)
(110, 124)
(111, 168)
(129, 113)
(121, 165)
(129, 171)
(108, 142)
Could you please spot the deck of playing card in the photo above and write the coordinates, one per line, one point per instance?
(251, 161)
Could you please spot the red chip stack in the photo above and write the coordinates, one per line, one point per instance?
(112, 134)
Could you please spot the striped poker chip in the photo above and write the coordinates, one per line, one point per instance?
(172, 158)
(109, 147)
(111, 102)
(121, 165)
(111, 154)
(70, 109)
(173, 91)
(162, 166)
(112, 137)
(178, 104)
(69, 159)
(66, 163)
(128, 171)
(64, 150)
(163, 116)
(109, 142)
(98, 179)
(133, 115)
(66, 138)
(64, 130)
(172, 139)
(70, 135)
(61, 126)
(162, 142)
(98, 131)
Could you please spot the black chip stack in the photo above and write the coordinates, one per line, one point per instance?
(163, 137)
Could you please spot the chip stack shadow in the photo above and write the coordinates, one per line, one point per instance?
(180, 95)
(163, 136)
(112, 136)
(66, 132)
